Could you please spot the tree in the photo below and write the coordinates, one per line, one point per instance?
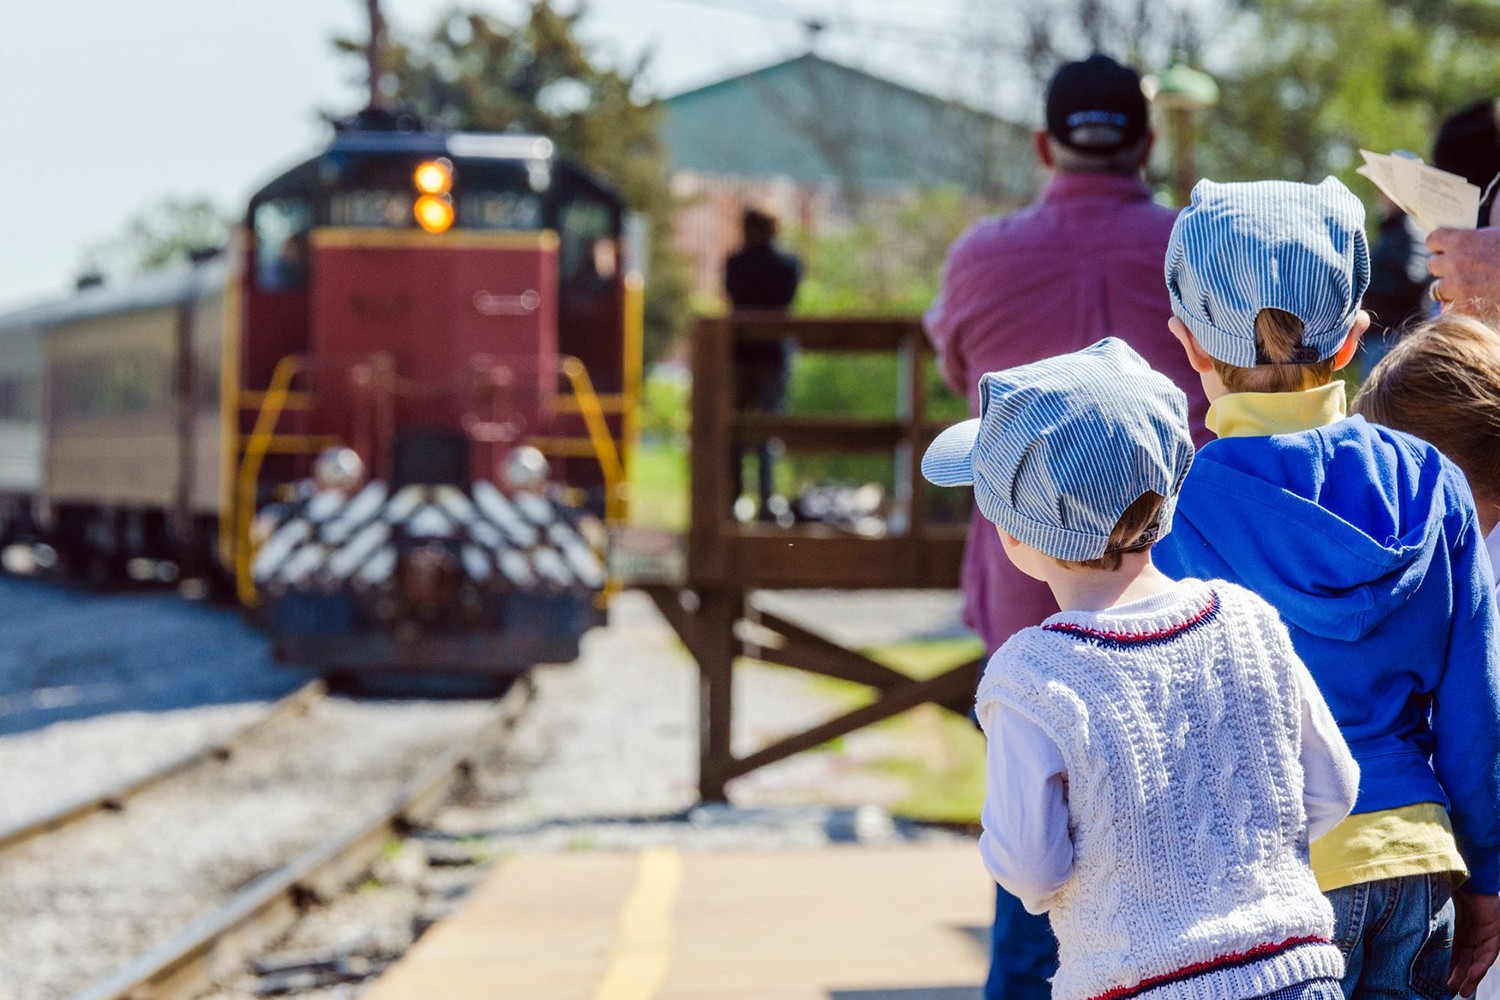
(1316, 79)
(475, 70)
(164, 233)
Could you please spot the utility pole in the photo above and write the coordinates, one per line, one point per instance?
(372, 53)
(1181, 92)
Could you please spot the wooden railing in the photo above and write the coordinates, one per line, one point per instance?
(713, 607)
(722, 552)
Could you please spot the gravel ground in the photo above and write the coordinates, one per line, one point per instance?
(98, 688)
(79, 904)
(605, 759)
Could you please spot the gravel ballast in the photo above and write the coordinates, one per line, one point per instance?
(99, 688)
(79, 904)
(605, 759)
(96, 688)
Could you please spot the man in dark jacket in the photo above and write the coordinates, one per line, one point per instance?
(760, 277)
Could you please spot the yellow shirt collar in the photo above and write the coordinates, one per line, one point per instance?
(1256, 414)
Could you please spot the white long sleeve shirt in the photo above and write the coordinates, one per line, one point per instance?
(1025, 843)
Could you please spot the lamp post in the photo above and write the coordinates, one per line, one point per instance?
(1181, 91)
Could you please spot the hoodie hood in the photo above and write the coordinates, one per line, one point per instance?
(1336, 526)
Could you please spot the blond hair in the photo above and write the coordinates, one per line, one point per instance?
(1278, 334)
(1134, 531)
(1441, 382)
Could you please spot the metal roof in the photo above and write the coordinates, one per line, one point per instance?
(816, 120)
(149, 291)
(466, 145)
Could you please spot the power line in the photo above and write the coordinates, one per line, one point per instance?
(900, 33)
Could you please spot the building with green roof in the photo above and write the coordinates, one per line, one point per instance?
(814, 140)
(817, 121)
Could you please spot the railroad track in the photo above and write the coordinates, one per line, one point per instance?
(263, 911)
(115, 799)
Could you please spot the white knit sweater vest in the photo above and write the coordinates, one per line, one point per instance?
(1180, 729)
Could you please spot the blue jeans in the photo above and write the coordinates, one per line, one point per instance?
(1396, 935)
(1313, 989)
(1023, 953)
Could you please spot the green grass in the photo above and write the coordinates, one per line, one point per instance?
(944, 775)
(659, 487)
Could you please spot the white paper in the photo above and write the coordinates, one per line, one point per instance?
(1435, 198)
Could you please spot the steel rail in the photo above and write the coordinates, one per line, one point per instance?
(263, 911)
(114, 799)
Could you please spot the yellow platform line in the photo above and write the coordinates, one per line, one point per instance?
(643, 949)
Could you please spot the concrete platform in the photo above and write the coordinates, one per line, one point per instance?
(839, 923)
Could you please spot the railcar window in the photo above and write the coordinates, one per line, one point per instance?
(513, 210)
(20, 397)
(281, 227)
(132, 383)
(372, 208)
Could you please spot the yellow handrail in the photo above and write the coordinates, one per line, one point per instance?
(256, 448)
(633, 364)
(603, 442)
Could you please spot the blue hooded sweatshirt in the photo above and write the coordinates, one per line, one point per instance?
(1366, 541)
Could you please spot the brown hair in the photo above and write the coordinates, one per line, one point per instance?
(1134, 531)
(1441, 382)
(1278, 334)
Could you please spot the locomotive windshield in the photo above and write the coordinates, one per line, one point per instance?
(378, 192)
(482, 183)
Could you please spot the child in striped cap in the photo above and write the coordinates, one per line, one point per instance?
(1366, 542)
(1158, 757)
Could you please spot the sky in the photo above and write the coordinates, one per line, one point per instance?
(107, 107)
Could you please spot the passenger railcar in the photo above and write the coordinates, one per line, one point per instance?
(349, 415)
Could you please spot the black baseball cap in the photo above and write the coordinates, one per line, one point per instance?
(1468, 144)
(1096, 106)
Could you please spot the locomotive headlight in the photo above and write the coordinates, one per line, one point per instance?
(434, 212)
(339, 469)
(525, 469)
(433, 177)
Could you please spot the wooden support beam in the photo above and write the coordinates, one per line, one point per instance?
(942, 688)
(706, 627)
(811, 652)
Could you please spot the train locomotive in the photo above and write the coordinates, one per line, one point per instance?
(391, 417)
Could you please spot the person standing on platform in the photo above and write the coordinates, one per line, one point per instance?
(760, 277)
(1082, 263)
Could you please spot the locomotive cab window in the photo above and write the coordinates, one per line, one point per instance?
(507, 210)
(281, 251)
(499, 196)
(587, 256)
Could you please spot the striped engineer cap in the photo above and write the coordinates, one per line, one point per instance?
(1062, 446)
(1240, 248)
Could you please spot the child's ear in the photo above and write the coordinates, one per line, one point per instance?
(1200, 359)
(1345, 353)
